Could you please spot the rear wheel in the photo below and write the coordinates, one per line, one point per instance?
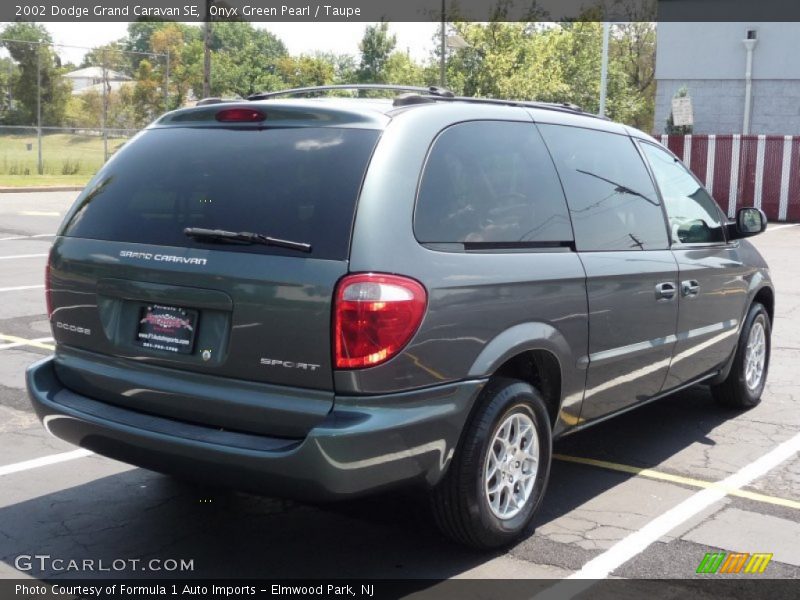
(496, 482)
(745, 383)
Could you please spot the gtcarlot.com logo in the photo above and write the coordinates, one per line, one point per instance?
(46, 562)
(735, 562)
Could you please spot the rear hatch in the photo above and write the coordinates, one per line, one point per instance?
(229, 334)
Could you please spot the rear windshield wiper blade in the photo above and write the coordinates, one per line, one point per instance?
(245, 237)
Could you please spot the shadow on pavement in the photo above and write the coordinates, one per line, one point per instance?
(142, 514)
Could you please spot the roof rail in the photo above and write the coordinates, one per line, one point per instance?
(409, 99)
(420, 95)
(438, 92)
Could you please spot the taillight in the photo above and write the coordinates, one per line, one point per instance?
(375, 317)
(240, 115)
(48, 299)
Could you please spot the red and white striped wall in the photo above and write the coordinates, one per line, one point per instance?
(745, 170)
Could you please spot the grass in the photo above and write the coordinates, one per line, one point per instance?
(68, 159)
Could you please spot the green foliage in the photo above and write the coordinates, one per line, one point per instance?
(552, 62)
(38, 70)
(376, 46)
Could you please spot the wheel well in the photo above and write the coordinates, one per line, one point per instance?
(542, 370)
(766, 297)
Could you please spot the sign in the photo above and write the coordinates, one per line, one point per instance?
(682, 111)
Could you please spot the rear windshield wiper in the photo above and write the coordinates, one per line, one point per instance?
(245, 237)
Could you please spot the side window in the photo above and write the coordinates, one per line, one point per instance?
(490, 182)
(611, 197)
(694, 217)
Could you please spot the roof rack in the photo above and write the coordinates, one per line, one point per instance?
(421, 95)
(433, 90)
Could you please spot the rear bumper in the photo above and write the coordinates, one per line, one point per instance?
(365, 443)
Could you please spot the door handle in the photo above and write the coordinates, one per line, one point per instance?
(665, 290)
(690, 287)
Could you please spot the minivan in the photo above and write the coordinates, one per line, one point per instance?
(322, 297)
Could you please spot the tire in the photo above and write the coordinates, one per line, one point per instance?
(461, 501)
(741, 389)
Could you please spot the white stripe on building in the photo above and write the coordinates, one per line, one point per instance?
(786, 168)
(734, 187)
(759, 189)
(712, 153)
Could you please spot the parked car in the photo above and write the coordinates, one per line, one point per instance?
(323, 297)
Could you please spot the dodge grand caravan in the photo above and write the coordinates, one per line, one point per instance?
(322, 297)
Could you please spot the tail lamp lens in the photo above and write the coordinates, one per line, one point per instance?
(375, 317)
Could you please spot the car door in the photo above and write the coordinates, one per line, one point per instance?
(713, 288)
(631, 276)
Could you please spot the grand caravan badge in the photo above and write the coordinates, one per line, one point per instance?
(170, 258)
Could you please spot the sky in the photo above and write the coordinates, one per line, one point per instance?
(299, 38)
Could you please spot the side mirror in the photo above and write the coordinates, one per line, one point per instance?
(749, 221)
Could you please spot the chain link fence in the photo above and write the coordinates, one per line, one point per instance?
(56, 151)
(64, 110)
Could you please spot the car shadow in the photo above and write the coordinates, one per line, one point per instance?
(144, 515)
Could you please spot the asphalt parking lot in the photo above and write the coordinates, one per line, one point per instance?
(645, 495)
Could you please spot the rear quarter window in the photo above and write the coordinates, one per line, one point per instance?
(299, 184)
(490, 182)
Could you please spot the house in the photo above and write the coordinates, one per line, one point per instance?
(711, 61)
(91, 79)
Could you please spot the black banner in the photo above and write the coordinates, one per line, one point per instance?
(400, 10)
(707, 588)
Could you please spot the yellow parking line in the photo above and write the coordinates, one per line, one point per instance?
(23, 342)
(651, 474)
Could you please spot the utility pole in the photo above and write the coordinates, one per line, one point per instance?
(40, 164)
(105, 106)
(604, 69)
(166, 83)
(207, 52)
(442, 65)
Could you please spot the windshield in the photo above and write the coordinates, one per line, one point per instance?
(294, 184)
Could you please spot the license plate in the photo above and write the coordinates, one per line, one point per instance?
(167, 328)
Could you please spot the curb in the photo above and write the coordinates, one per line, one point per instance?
(43, 188)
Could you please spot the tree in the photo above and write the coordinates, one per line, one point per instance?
(376, 46)
(39, 73)
(402, 70)
(146, 98)
(244, 59)
(304, 71)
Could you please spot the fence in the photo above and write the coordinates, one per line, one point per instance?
(59, 152)
(745, 170)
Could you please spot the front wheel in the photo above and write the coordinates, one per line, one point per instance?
(745, 383)
(496, 482)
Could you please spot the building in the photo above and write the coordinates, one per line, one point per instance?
(711, 60)
(91, 78)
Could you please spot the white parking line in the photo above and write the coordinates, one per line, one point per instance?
(23, 256)
(44, 461)
(603, 565)
(19, 288)
(27, 237)
(777, 227)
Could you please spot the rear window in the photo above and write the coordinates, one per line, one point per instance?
(299, 184)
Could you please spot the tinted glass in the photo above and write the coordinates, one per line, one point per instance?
(611, 197)
(490, 181)
(299, 184)
(693, 215)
